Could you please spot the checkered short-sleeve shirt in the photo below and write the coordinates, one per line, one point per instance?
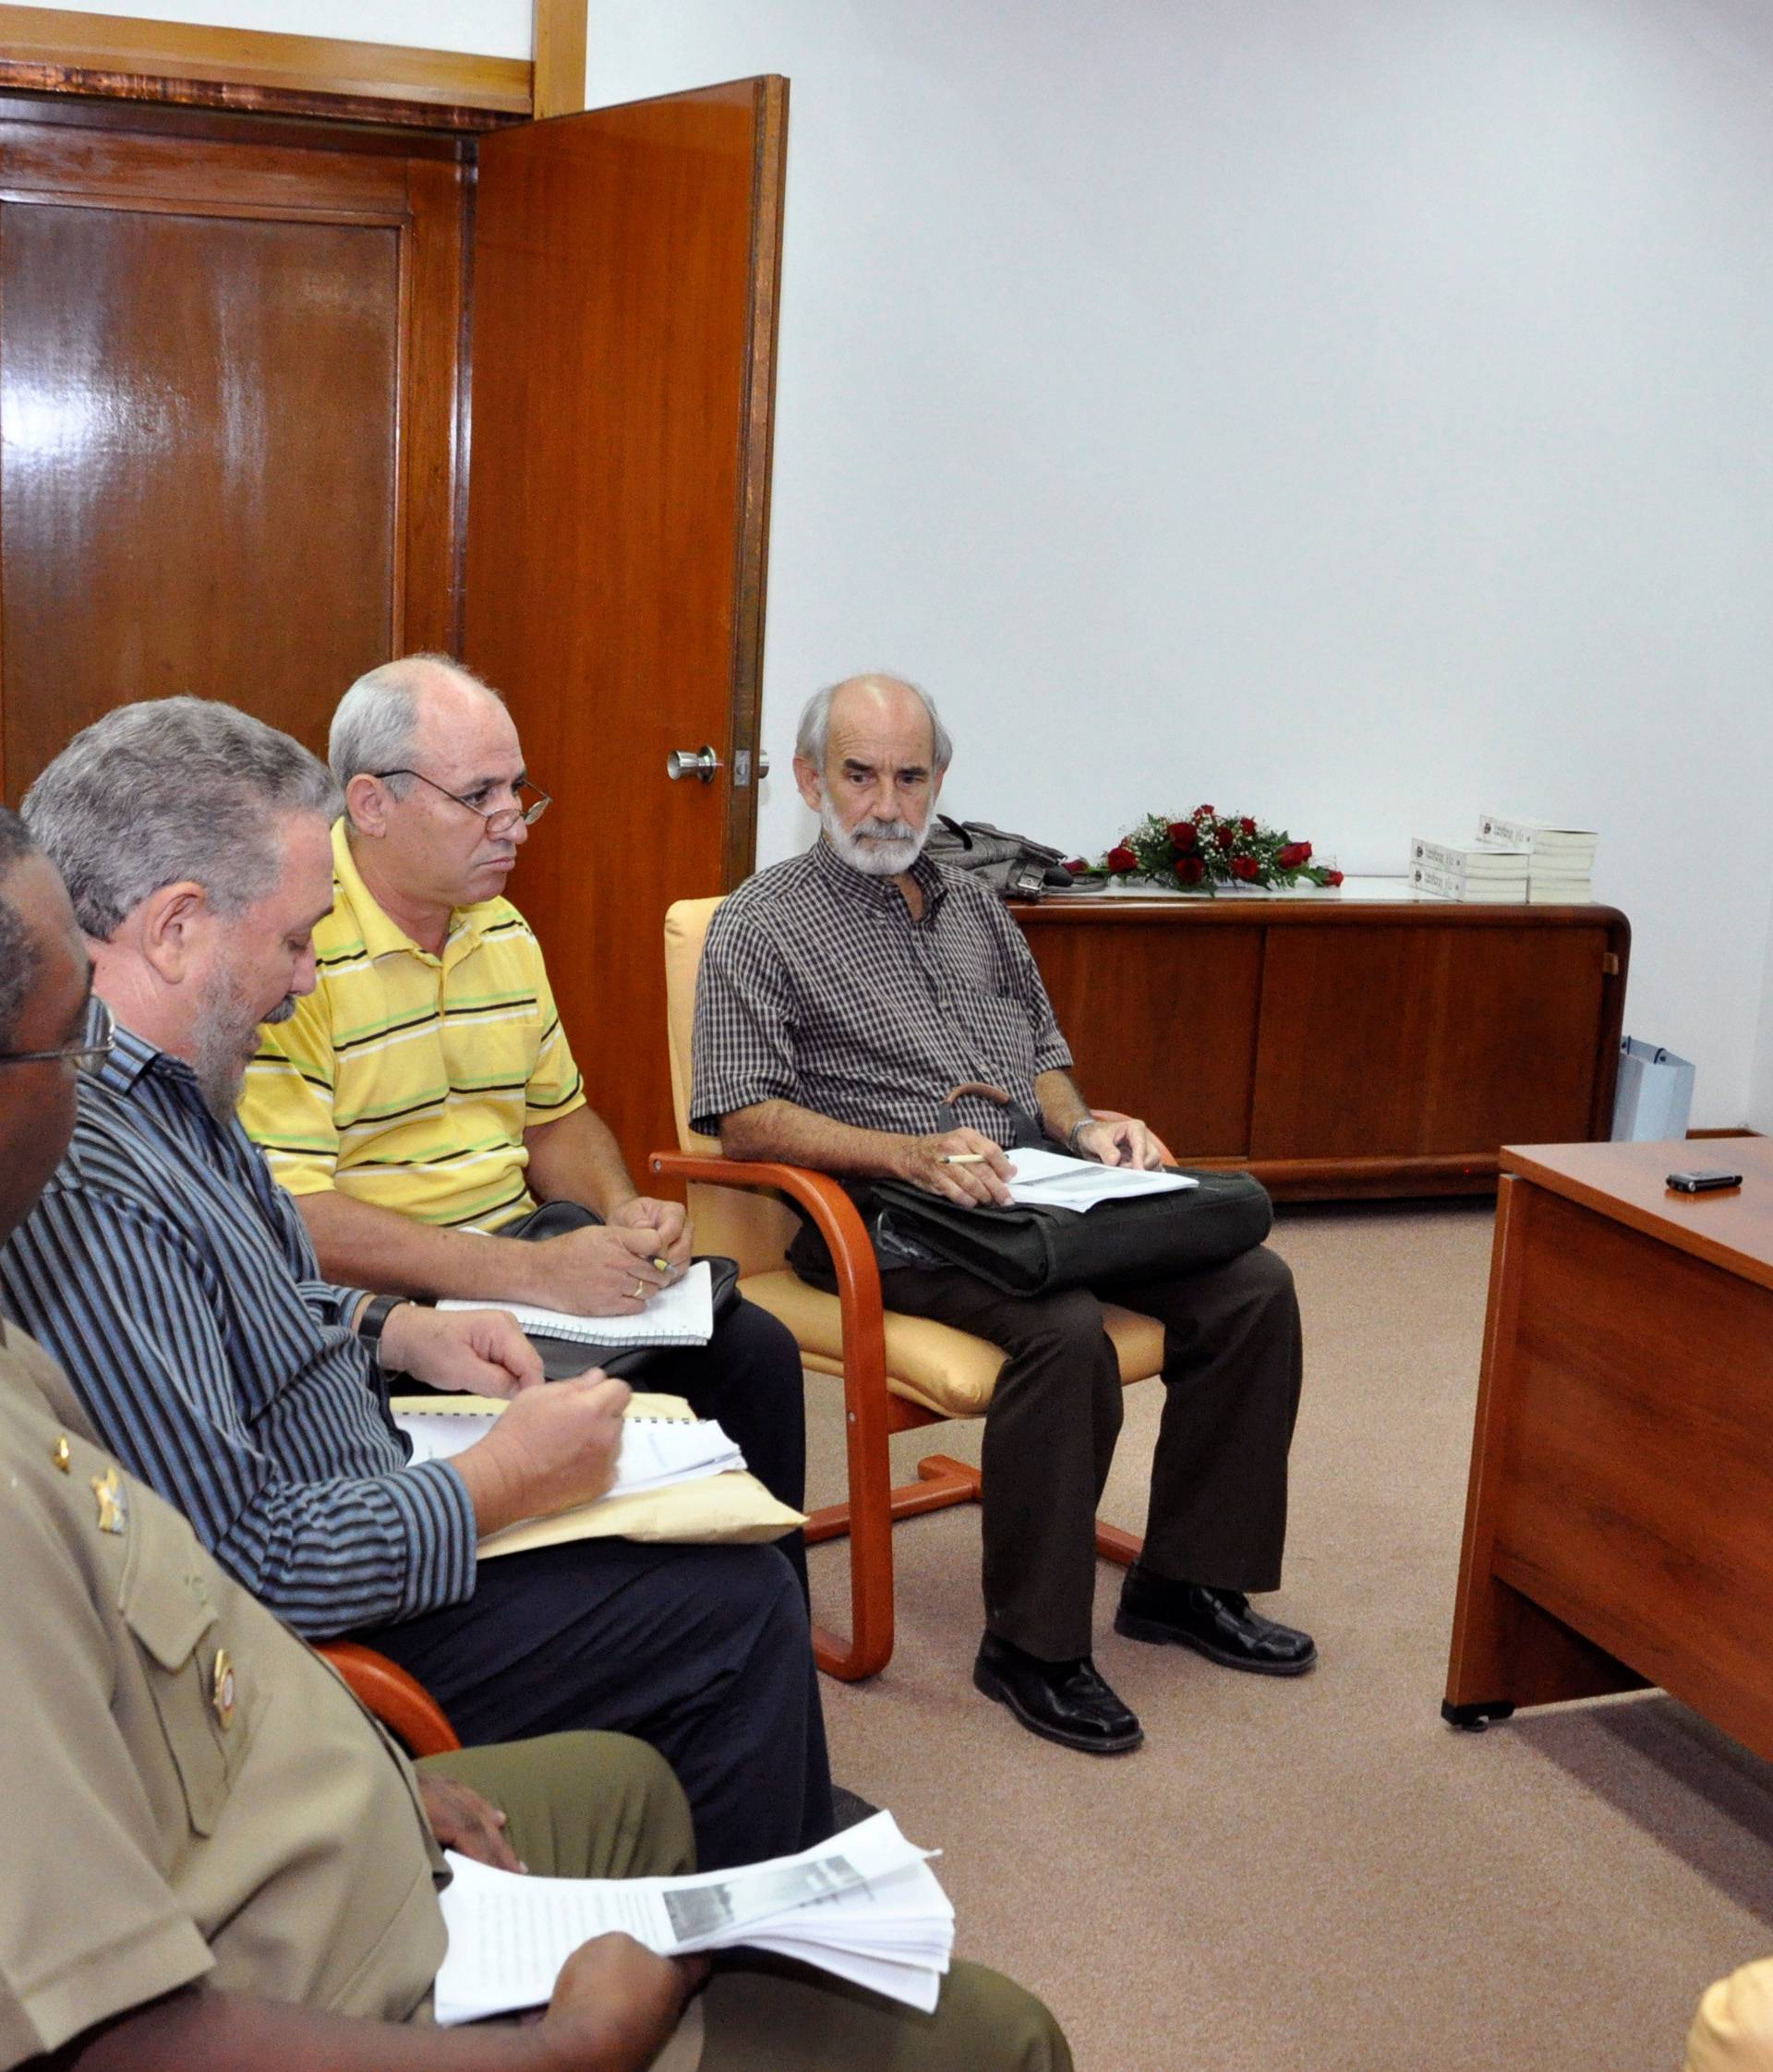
(817, 987)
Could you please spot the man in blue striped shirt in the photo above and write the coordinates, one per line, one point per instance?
(174, 1280)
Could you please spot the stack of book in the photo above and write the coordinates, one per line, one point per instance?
(1560, 860)
(1479, 870)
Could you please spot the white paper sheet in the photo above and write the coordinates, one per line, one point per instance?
(655, 1451)
(1051, 1180)
(864, 1905)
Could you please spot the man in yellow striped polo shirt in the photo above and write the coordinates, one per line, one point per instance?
(411, 1084)
(425, 1093)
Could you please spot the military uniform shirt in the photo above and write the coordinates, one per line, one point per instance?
(818, 987)
(190, 1792)
(406, 1081)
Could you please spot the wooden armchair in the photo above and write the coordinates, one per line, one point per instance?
(897, 1371)
(401, 1703)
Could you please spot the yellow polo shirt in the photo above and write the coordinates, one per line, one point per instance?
(406, 1079)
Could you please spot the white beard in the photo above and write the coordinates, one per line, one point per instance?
(878, 849)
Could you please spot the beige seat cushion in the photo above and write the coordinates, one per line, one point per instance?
(947, 1370)
(1733, 2029)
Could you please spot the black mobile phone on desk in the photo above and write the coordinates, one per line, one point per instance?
(1709, 1180)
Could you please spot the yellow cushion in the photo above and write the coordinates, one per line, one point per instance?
(686, 925)
(947, 1370)
(1733, 2029)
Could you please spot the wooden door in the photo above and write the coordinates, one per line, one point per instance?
(227, 414)
(624, 281)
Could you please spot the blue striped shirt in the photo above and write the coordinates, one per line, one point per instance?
(172, 1278)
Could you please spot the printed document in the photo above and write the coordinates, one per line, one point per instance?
(864, 1905)
(1051, 1180)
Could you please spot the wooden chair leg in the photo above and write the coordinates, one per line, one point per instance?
(941, 1482)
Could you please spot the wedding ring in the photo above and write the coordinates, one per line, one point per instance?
(638, 1289)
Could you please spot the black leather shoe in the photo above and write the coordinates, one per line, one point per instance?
(1216, 1624)
(1063, 1702)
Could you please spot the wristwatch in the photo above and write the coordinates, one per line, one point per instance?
(1077, 1129)
(374, 1320)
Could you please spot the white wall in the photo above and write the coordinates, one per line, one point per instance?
(488, 27)
(1760, 1105)
(1353, 412)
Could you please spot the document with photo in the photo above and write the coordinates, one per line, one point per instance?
(864, 1905)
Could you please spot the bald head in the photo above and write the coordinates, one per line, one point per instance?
(872, 700)
(383, 721)
(436, 790)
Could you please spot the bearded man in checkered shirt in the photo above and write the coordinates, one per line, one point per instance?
(851, 1005)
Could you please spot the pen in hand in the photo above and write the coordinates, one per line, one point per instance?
(961, 1157)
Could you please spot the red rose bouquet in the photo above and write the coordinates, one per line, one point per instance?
(1208, 849)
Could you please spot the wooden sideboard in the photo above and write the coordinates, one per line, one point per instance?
(1341, 1046)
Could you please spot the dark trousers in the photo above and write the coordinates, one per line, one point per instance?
(748, 1376)
(701, 1650)
(1217, 1514)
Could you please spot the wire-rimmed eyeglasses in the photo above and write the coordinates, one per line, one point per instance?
(498, 823)
(87, 1055)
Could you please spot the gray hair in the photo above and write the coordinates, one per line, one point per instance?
(19, 956)
(376, 720)
(816, 721)
(176, 789)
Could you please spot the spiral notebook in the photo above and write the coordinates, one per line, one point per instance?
(681, 1314)
(656, 1451)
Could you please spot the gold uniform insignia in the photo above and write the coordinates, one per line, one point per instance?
(114, 1503)
(60, 1453)
(221, 1688)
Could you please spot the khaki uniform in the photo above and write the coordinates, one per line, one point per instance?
(190, 1793)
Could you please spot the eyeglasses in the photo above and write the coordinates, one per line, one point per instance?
(499, 823)
(83, 1056)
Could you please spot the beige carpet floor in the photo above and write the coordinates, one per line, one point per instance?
(1318, 1876)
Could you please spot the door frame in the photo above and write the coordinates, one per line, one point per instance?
(61, 51)
(755, 466)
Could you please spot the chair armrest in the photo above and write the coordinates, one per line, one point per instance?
(834, 1215)
(864, 1366)
(399, 1701)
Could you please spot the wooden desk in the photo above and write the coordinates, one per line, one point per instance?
(1619, 1525)
(1357, 1045)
